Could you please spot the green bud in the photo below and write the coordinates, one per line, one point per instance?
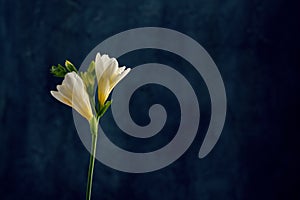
(91, 68)
(58, 71)
(70, 67)
(88, 78)
(61, 71)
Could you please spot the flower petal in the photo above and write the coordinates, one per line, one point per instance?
(119, 77)
(121, 69)
(101, 64)
(103, 90)
(108, 75)
(73, 93)
(61, 98)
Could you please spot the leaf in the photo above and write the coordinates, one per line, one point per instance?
(104, 108)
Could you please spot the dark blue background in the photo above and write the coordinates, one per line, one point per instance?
(256, 47)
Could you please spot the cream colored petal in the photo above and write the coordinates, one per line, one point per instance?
(80, 100)
(99, 68)
(121, 69)
(83, 109)
(101, 64)
(80, 93)
(108, 75)
(73, 93)
(105, 58)
(67, 87)
(61, 98)
(64, 91)
(103, 90)
(111, 69)
(69, 80)
(119, 77)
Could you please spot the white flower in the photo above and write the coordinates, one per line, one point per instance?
(108, 75)
(72, 92)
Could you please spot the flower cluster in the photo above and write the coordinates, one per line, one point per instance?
(78, 91)
(77, 88)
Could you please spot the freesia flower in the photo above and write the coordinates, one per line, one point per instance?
(72, 92)
(109, 74)
(77, 91)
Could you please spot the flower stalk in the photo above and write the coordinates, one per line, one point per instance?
(94, 132)
(77, 91)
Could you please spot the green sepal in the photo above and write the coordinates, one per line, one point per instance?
(94, 121)
(103, 109)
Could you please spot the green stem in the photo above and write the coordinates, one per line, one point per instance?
(94, 132)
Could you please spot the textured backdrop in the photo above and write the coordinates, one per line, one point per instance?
(255, 44)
